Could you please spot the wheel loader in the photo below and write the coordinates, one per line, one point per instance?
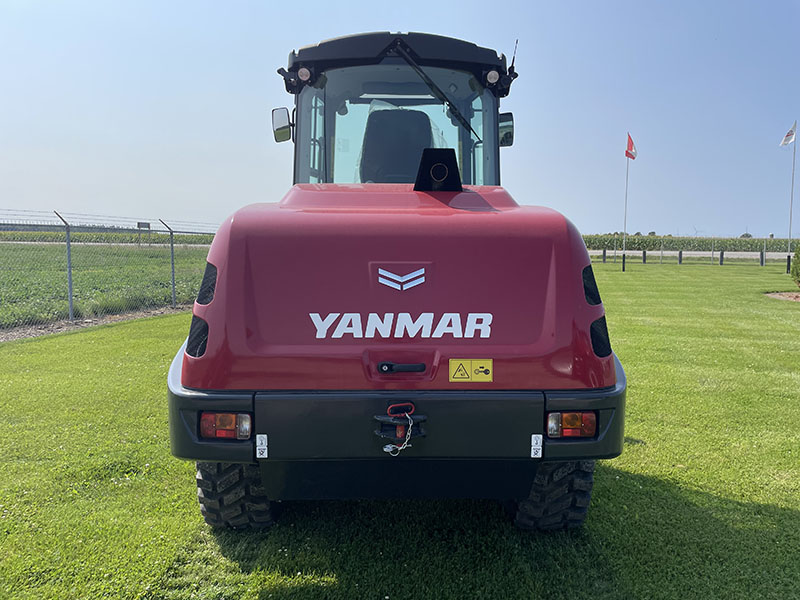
(397, 325)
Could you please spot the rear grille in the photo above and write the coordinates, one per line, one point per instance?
(590, 287)
(206, 293)
(600, 342)
(198, 338)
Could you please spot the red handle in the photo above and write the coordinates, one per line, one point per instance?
(400, 409)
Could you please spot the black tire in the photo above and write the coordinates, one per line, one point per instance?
(559, 498)
(231, 495)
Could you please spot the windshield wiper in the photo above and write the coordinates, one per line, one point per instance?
(437, 91)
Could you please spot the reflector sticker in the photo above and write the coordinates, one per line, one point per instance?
(478, 370)
(261, 446)
(536, 445)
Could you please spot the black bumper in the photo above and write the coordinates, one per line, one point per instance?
(326, 444)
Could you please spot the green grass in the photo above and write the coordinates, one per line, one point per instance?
(703, 503)
(107, 279)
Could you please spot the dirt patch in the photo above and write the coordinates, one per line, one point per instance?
(17, 333)
(794, 296)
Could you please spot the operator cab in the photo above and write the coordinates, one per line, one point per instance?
(367, 105)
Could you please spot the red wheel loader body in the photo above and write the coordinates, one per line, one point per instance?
(388, 331)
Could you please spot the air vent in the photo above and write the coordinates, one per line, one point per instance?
(206, 293)
(198, 338)
(600, 341)
(590, 287)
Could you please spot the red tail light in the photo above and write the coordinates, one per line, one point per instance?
(225, 425)
(571, 424)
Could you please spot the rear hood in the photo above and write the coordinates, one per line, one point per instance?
(316, 291)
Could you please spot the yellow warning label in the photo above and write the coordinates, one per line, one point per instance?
(482, 370)
(461, 371)
(471, 369)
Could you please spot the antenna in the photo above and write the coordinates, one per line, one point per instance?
(514, 56)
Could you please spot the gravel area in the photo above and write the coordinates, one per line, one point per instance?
(795, 296)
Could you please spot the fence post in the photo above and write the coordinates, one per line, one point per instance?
(69, 269)
(680, 257)
(623, 262)
(788, 263)
(644, 257)
(171, 259)
(721, 257)
(604, 255)
(764, 253)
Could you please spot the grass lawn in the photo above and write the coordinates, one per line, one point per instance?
(704, 502)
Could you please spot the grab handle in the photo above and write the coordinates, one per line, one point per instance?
(386, 367)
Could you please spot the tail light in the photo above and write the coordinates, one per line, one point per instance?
(233, 426)
(571, 424)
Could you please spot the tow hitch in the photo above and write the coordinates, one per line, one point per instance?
(399, 424)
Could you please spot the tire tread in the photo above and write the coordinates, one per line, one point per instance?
(232, 496)
(559, 498)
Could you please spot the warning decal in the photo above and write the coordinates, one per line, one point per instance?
(470, 369)
(460, 372)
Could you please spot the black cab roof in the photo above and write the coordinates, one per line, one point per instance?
(372, 48)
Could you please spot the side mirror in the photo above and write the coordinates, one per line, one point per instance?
(281, 125)
(506, 123)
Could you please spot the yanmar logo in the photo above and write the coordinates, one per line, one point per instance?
(401, 282)
(402, 325)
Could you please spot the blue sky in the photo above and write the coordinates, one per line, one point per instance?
(161, 109)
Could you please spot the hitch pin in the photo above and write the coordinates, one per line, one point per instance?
(393, 449)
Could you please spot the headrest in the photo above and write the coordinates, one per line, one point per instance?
(393, 143)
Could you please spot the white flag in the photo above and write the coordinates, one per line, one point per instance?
(789, 137)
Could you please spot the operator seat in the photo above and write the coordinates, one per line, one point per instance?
(393, 144)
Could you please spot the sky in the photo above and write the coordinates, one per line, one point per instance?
(153, 109)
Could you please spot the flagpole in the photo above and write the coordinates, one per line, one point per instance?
(791, 198)
(625, 218)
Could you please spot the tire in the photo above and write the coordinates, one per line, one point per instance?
(231, 496)
(559, 497)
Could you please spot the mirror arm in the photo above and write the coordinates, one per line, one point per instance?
(290, 80)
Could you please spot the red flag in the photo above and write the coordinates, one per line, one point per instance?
(630, 151)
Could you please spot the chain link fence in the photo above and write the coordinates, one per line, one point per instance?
(74, 268)
(690, 250)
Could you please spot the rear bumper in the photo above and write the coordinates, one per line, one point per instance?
(323, 444)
